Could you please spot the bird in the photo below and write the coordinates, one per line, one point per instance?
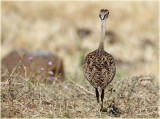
(99, 66)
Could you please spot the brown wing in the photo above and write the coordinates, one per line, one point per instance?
(99, 68)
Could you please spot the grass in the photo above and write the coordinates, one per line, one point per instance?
(55, 30)
(22, 97)
(53, 26)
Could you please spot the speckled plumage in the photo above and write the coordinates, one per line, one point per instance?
(99, 68)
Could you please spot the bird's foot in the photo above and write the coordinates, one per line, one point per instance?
(104, 110)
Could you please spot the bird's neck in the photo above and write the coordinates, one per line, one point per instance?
(103, 30)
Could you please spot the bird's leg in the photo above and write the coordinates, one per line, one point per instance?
(102, 96)
(97, 95)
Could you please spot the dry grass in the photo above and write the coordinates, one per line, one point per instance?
(53, 26)
(125, 97)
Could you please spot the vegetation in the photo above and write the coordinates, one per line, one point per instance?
(125, 97)
(54, 26)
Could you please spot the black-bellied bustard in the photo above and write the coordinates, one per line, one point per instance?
(99, 66)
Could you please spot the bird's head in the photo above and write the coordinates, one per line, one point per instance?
(103, 15)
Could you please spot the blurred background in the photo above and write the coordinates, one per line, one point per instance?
(72, 29)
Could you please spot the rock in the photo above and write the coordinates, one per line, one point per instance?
(83, 32)
(41, 61)
(147, 42)
(112, 37)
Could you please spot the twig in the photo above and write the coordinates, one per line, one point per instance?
(81, 87)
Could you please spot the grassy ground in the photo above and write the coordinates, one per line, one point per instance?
(55, 26)
(124, 97)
